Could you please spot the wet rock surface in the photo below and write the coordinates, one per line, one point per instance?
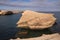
(55, 36)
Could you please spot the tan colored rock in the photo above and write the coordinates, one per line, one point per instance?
(5, 12)
(35, 20)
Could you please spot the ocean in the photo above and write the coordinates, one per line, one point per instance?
(8, 27)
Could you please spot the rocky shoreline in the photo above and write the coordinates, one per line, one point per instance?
(55, 36)
(44, 18)
(6, 12)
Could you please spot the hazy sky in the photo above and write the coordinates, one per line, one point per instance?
(37, 5)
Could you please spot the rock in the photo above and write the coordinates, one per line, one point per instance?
(35, 20)
(0, 10)
(9, 13)
(55, 36)
(4, 12)
(22, 33)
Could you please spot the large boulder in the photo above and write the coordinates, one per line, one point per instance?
(35, 20)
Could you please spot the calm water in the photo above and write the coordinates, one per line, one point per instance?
(8, 26)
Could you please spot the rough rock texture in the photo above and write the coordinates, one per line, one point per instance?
(35, 20)
(55, 36)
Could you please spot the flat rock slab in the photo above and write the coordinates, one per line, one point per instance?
(35, 20)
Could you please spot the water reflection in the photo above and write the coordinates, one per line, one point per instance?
(32, 33)
(8, 26)
(28, 33)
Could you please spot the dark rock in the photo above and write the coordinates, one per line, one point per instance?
(0, 10)
(9, 13)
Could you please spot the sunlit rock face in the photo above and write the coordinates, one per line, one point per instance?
(35, 20)
(5, 12)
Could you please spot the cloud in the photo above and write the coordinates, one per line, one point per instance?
(46, 5)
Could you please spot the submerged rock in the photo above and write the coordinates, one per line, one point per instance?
(22, 33)
(35, 20)
(55, 36)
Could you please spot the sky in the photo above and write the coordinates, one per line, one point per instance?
(36, 5)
